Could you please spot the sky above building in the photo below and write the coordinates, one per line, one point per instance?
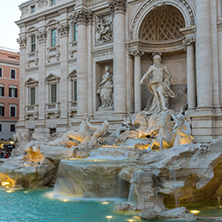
(9, 13)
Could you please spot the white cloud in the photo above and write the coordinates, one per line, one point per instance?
(9, 13)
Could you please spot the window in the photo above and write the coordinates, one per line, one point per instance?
(2, 110)
(12, 128)
(33, 43)
(0, 127)
(32, 9)
(75, 32)
(13, 73)
(53, 93)
(74, 90)
(1, 71)
(53, 37)
(13, 92)
(2, 90)
(32, 96)
(13, 111)
(53, 2)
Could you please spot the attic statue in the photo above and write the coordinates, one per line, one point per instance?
(159, 85)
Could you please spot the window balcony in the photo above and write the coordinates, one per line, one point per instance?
(72, 108)
(32, 112)
(52, 110)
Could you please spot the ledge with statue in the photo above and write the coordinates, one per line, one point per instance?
(153, 161)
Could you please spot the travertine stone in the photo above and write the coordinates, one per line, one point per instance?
(137, 76)
(191, 80)
(82, 17)
(119, 58)
(203, 52)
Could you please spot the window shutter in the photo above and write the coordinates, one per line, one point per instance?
(3, 91)
(16, 93)
(12, 111)
(10, 92)
(3, 111)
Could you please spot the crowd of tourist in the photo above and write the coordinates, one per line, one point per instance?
(5, 153)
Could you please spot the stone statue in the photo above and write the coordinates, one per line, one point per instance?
(166, 137)
(83, 133)
(106, 89)
(159, 86)
(182, 130)
(100, 132)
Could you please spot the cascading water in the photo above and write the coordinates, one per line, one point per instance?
(132, 196)
(172, 173)
(93, 177)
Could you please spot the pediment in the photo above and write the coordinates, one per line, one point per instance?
(31, 81)
(52, 77)
(73, 74)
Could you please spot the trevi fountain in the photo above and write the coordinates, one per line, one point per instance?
(147, 169)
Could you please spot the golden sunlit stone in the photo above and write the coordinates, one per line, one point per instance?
(195, 212)
(6, 181)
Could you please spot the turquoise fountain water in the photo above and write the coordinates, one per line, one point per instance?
(37, 205)
(20, 205)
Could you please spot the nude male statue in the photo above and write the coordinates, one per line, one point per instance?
(159, 86)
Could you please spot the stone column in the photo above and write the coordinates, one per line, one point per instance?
(204, 56)
(22, 91)
(63, 30)
(119, 67)
(137, 77)
(191, 79)
(82, 17)
(41, 36)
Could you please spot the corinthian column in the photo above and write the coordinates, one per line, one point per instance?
(82, 17)
(41, 36)
(63, 32)
(118, 8)
(137, 76)
(191, 80)
(204, 57)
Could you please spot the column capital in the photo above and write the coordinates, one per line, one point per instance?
(136, 53)
(189, 41)
(41, 36)
(22, 40)
(118, 6)
(83, 16)
(63, 30)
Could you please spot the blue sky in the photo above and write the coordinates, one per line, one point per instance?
(9, 13)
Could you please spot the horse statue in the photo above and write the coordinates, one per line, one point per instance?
(166, 137)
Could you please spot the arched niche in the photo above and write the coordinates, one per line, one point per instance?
(183, 6)
(159, 32)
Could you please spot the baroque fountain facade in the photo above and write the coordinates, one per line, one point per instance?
(126, 102)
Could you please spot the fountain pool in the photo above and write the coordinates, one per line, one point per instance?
(30, 205)
(37, 205)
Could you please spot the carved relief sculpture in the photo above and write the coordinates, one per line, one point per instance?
(42, 3)
(103, 29)
(106, 89)
(159, 86)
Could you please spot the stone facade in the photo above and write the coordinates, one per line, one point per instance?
(64, 49)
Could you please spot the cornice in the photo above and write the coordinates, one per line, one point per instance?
(44, 13)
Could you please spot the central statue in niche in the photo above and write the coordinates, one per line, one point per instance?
(105, 89)
(159, 86)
